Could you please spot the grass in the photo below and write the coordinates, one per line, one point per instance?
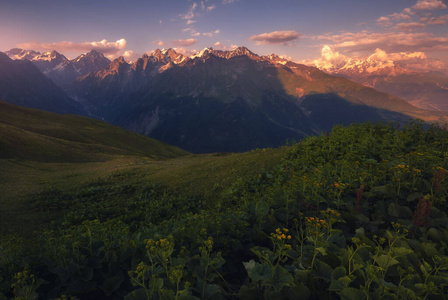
(357, 213)
(204, 176)
(36, 135)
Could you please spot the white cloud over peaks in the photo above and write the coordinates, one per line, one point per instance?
(211, 34)
(184, 43)
(221, 46)
(185, 52)
(366, 41)
(429, 5)
(103, 46)
(276, 37)
(332, 60)
(159, 43)
(382, 55)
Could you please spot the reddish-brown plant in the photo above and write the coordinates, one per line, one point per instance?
(438, 178)
(422, 212)
(358, 197)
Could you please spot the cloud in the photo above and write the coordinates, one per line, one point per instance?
(102, 46)
(130, 56)
(400, 16)
(159, 43)
(366, 41)
(184, 43)
(429, 5)
(211, 7)
(211, 34)
(384, 21)
(276, 37)
(185, 52)
(189, 22)
(409, 26)
(228, 1)
(221, 46)
(333, 60)
(190, 14)
(439, 20)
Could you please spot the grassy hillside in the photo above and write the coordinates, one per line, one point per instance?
(202, 176)
(358, 213)
(35, 135)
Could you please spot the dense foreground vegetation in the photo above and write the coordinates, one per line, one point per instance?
(357, 213)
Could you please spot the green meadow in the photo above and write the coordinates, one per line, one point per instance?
(359, 212)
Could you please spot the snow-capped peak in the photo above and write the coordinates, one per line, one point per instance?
(20, 54)
(201, 53)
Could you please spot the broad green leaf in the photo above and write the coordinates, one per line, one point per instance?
(398, 211)
(323, 270)
(257, 271)
(86, 273)
(321, 250)
(297, 291)
(340, 284)
(401, 251)
(211, 290)
(435, 234)
(139, 294)
(250, 293)
(346, 280)
(336, 285)
(370, 161)
(281, 277)
(80, 286)
(338, 273)
(429, 249)
(352, 294)
(385, 261)
(111, 284)
(249, 265)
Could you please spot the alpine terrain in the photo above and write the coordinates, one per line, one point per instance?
(218, 101)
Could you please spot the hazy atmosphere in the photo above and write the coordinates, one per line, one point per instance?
(297, 30)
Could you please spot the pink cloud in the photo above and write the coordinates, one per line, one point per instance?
(332, 60)
(429, 5)
(384, 21)
(190, 14)
(409, 26)
(103, 46)
(159, 43)
(389, 41)
(276, 37)
(184, 43)
(439, 20)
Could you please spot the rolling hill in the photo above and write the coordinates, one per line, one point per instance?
(36, 135)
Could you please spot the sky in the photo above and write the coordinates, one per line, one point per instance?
(299, 30)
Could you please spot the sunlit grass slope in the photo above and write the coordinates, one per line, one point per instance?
(36, 135)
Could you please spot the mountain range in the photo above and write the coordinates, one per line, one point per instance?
(59, 68)
(420, 87)
(217, 101)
